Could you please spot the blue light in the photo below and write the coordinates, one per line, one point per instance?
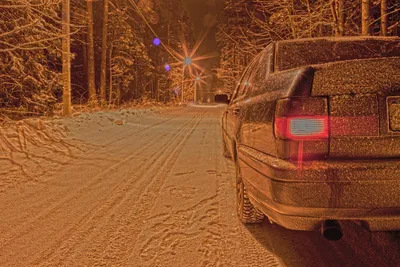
(187, 61)
(157, 41)
(167, 67)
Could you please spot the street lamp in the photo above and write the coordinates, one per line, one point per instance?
(186, 62)
(198, 78)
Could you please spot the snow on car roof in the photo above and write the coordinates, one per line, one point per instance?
(357, 76)
(302, 52)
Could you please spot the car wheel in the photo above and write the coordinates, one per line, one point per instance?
(246, 211)
(226, 152)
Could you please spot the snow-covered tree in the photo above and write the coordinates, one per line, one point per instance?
(30, 47)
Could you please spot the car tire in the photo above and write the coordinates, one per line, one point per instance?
(247, 213)
(225, 152)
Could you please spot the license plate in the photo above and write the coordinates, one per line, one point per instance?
(394, 115)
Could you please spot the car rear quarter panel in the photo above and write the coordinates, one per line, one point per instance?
(257, 125)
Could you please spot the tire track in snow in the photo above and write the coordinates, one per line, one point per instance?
(170, 231)
(106, 149)
(144, 202)
(18, 231)
(144, 172)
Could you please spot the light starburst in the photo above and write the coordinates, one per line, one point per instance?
(189, 59)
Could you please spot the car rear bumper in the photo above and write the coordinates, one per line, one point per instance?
(302, 196)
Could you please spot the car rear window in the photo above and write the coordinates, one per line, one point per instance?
(294, 54)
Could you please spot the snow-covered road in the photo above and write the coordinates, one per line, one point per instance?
(153, 189)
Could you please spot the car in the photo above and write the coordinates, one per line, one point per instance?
(313, 128)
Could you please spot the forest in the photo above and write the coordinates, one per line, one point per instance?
(96, 52)
(59, 53)
(246, 27)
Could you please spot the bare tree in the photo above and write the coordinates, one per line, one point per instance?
(365, 17)
(66, 57)
(103, 71)
(384, 18)
(338, 16)
(91, 72)
(341, 17)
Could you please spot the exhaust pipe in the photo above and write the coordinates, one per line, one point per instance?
(331, 230)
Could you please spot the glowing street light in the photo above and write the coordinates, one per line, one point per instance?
(187, 61)
(156, 41)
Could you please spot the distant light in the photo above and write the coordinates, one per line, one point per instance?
(198, 78)
(167, 67)
(246, 83)
(157, 41)
(188, 61)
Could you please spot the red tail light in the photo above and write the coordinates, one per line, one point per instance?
(302, 128)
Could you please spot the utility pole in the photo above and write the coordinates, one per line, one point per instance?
(66, 57)
(195, 92)
(198, 78)
(183, 80)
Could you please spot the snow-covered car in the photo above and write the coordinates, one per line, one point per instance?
(314, 129)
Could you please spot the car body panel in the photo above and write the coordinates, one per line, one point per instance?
(359, 177)
(319, 191)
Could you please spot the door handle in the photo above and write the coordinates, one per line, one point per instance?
(236, 111)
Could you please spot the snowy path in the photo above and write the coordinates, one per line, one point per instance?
(156, 191)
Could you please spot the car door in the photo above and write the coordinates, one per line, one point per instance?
(257, 122)
(257, 128)
(234, 112)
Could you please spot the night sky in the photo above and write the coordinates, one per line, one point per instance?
(204, 15)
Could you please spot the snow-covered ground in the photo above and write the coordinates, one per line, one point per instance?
(145, 188)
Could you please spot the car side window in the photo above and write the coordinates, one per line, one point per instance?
(270, 58)
(265, 67)
(244, 84)
(239, 87)
(266, 62)
(235, 92)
